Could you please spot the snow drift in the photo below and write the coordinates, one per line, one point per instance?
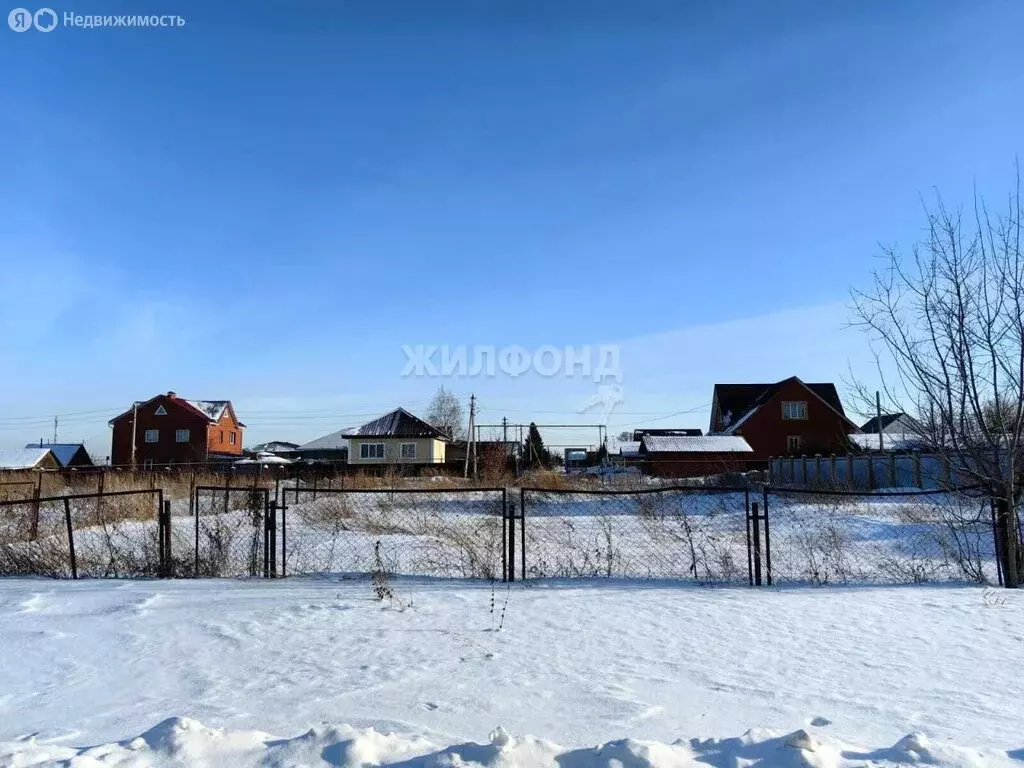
(181, 741)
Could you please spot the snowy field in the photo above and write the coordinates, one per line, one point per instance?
(297, 672)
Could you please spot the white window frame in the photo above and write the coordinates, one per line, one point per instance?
(364, 450)
(794, 410)
(182, 435)
(160, 411)
(152, 433)
(231, 437)
(408, 457)
(790, 440)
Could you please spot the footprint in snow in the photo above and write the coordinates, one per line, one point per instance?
(821, 722)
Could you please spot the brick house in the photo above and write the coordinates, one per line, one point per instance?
(789, 417)
(169, 430)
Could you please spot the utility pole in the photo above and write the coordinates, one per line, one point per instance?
(135, 433)
(471, 446)
(504, 442)
(54, 430)
(878, 412)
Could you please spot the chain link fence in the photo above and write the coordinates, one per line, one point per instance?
(701, 534)
(449, 533)
(830, 537)
(698, 534)
(113, 535)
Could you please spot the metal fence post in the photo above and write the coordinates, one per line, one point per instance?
(746, 518)
(34, 522)
(161, 539)
(755, 520)
(71, 538)
(767, 539)
(168, 558)
(284, 532)
(273, 539)
(196, 572)
(522, 540)
(510, 512)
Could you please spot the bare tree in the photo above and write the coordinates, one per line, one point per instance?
(445, 412)
(949, 319)
(624, 437)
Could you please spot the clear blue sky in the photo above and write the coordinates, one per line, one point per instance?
(266, 203)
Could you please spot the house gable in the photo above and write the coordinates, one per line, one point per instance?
(822, 428)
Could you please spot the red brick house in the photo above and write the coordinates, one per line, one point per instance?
(789, 417)
(169, 430)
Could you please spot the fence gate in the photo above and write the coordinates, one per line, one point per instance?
(230, 531)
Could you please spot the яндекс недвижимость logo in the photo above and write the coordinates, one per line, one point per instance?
(46, 20)
(22, 20)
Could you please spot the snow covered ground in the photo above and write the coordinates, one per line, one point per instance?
(295, 672)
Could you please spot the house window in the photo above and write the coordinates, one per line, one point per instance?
(408, 450)
(371, 450)
(222, 435)
(231, 437)
(160, 411)
(152, 435)
(794, 410)
(793, 443)
(181, 436)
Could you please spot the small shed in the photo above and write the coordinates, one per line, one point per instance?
(70, 455)
(692, 456)
(28, 458)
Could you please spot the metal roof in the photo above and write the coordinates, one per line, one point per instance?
(888, 419)
(22, 458)
(64, 452)
(398, 423)
(336, 441)
(705, 444)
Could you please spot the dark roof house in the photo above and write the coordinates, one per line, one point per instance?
(896, 423)
(396, 438)
(787, 417)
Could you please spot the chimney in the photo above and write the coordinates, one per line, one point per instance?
(172, 395)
